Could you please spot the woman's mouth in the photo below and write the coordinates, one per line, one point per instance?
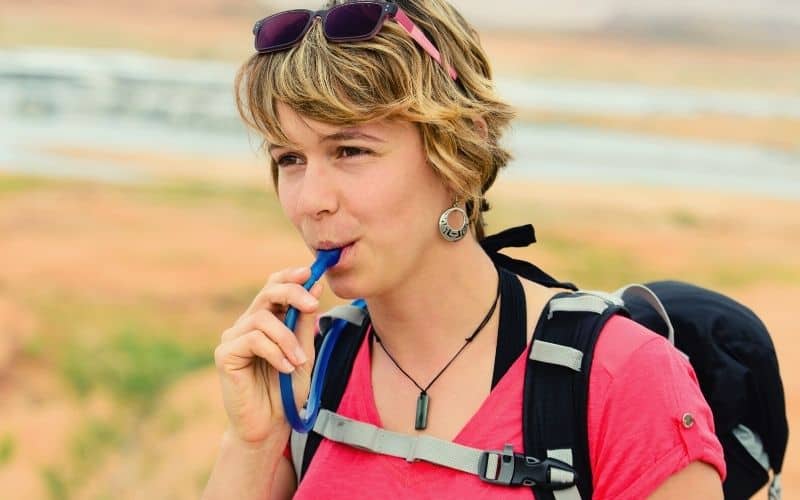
(345, 246)
(346, 256)
(329, 245)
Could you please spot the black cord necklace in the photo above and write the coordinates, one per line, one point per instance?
(421, 421)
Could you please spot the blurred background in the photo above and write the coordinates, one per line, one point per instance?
(656, 139)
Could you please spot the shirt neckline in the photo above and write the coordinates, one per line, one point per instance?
(363, 372)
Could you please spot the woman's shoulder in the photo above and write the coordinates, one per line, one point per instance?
(624, 344)
(634, 364)
(618, 330)
(648, 418)
(621, 342)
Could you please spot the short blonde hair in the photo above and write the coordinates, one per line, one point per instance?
(391, 77)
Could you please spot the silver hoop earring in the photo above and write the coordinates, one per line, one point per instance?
(448, 232)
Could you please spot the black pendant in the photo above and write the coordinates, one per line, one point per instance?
(422, 411)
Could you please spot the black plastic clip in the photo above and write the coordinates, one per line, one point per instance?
(514, 469)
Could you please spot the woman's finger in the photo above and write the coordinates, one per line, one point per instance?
(241, 352)
(307, 325)
(274, 329)
(292, 274)
(297, 275)
(278, 296)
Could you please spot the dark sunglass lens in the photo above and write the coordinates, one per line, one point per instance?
(281, 29)
(353, 20)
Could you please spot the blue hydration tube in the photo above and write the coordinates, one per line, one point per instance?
(325, 259)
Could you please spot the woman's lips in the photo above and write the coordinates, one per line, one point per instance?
(346, 257)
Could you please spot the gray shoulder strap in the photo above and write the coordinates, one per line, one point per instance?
(349, 313)
(644, 293)
(775, 489)
(556, 354)
(581, 301)
(493, 466)
(592, 302)
(752, 443)
(297, 443)
(565, 455)
(372, 438)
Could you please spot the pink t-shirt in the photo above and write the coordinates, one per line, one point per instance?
(639, 390)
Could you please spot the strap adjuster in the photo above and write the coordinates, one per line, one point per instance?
(515, 469)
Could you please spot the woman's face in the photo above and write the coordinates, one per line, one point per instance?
(368, 189)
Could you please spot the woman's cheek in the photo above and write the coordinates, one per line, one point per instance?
(288, 200)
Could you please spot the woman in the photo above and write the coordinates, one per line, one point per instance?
(380, 120)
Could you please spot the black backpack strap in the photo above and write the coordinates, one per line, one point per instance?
(520, 236)
(512, 330)
(511, 342)
(339, 369)
(557, 386)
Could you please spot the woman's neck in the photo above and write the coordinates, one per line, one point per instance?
(431, 313)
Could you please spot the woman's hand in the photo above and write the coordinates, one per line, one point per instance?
(258, 346)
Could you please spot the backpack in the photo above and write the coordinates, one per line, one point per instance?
(727, 345)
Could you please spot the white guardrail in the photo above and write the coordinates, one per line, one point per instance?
(117, 84)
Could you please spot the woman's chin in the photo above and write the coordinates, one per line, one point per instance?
(345, 287)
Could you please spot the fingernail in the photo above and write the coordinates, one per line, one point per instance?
(300, 354)
(310, 301)
(287, 366)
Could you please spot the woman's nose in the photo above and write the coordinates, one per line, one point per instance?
(318, 193)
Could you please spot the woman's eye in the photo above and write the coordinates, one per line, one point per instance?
(287, 160)
(348, 151)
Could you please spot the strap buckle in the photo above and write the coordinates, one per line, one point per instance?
(515, 469)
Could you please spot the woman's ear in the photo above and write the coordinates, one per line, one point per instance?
(480, 126)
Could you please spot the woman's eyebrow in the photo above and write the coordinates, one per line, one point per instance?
(345, 135)
(342, 135)
(274, 145)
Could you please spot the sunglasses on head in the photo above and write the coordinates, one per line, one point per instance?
(348, 22)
